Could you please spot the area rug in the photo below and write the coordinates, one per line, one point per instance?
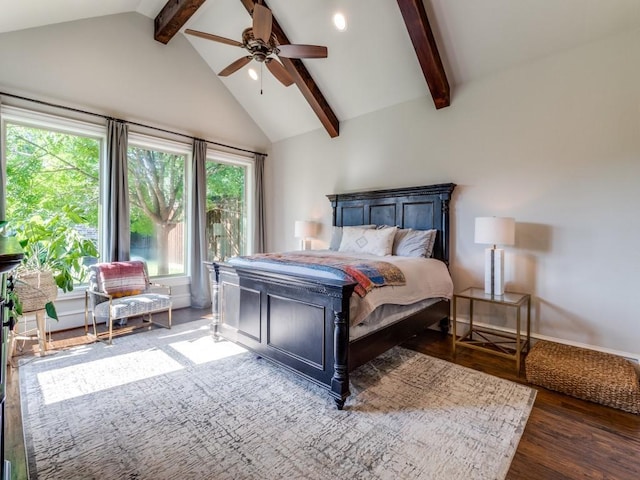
(167, 404)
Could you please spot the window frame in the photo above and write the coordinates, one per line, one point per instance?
(64, 125)
(140, 140)
(249, 187)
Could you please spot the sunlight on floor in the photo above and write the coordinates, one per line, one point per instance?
(202, 329)
(205, 349)
(89, 377)
(194, 345)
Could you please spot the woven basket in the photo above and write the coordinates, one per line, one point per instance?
(35, 289)
(587, 374)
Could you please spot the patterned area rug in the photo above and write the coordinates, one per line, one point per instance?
(167, 404)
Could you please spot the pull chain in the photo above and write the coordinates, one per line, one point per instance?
(261, 73)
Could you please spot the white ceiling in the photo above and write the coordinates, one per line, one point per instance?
(372, 65)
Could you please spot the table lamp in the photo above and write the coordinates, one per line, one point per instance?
(304, 230)
(494, 231)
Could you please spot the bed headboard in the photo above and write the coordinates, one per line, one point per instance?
(420, 208)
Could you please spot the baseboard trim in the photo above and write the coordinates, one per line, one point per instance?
(634, 357)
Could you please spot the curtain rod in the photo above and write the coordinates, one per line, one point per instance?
(107, 117)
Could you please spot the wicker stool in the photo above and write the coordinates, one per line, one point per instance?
(587, 374)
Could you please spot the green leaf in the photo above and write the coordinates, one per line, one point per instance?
(51, 310)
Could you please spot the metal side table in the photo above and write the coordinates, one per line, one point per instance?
(507, 345)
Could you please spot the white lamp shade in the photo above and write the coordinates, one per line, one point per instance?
(495, 230)
(304, 229)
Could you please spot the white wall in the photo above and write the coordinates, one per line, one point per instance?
(555, 144)
(112, 65)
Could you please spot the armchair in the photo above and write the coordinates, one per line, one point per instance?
(119, 290)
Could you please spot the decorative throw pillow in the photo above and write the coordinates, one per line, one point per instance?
(414, 243)
(121, 279)
(432, 242)
(336, 235)
(364, 240)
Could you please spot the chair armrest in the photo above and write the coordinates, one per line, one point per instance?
(160, 285)
(100, 294)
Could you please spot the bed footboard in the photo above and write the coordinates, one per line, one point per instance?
(298, 322)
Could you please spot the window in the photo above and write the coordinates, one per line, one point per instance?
(54, 172)
(228, 209)
(52, 186)
(157, 206)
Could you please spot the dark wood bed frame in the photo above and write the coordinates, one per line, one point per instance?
(302, 323)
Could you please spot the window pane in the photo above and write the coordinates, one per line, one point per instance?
(52, 195)
(226, 211)
(156, 196)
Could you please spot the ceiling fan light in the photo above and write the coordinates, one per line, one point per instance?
(253, 74)
(340, 21)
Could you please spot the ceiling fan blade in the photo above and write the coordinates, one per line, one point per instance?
(262, 22)
(302, 51)
(215, 38)
(235, 66)
(278, 71)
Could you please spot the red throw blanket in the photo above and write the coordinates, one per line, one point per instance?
(367, 274)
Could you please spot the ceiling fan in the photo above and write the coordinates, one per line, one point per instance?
(261, 44)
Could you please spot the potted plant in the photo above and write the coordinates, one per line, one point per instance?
(54, 254)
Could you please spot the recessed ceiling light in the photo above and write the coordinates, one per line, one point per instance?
(340, 21)
(253, 74)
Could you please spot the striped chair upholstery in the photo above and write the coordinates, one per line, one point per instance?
(119, 290)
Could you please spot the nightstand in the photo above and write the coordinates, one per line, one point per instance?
(508, 345)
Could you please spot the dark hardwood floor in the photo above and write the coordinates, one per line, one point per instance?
(565, 438)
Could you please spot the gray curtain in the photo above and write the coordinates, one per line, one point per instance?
(200, 293)
(259, 231)
(117, 198)
(3, 169)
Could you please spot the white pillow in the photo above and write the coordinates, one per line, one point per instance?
(432, 242)
(336, 235)
(363, 240)
(414, 243)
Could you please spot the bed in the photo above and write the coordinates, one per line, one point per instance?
(302, 321)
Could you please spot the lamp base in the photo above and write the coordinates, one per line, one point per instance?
(494, 271)
(305, 244)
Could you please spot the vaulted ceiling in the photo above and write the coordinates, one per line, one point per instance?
(385, 57)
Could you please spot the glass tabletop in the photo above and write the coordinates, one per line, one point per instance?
(479, 294)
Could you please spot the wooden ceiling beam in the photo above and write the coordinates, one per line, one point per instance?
(303, 80)
(172, 18)
(415, 18)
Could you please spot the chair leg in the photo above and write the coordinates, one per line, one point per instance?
(95, 326)
(86, 312)
(110, 320)
(168, 324)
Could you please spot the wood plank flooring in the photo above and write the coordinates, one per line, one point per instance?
(565, 438)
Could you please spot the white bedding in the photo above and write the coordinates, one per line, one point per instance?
(386, 315)
(425, 278)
